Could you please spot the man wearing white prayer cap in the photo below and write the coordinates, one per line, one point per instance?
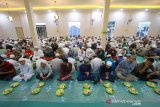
(89, 52)
(16, 53)
(37, 53)
(26, 71)
(13, 62)
(95, 64)
(38, 62)
(56, 62)
(81, 52)
(152, 52)
(45, 71)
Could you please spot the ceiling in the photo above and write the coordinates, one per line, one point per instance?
(68, 4)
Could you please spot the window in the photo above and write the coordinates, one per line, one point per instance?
(74, 29)
(41, 30)
(143, 28)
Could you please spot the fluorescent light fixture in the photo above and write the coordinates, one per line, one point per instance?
(86, 7)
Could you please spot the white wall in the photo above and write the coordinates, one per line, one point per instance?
(7, 29)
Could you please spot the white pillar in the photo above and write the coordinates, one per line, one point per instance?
(105, 22)
(31, 22)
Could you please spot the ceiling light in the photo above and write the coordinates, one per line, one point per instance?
(10, 18)
(146, 10)
(121, 9)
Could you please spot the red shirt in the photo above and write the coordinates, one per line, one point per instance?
(29, 52)
(8, 54)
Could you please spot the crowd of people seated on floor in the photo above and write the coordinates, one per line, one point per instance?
(85, 55)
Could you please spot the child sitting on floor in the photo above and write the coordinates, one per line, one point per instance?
(26, 71)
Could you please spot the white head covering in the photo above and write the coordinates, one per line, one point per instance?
(57, 54)
(86, 60)
(108, 55)
(109, 63)
(41, 55)
(100, 47)
(22, 59)
(44, 62)
(120, 54)
(124, 47)
(35, 46)
(12, 56)
(154, 46)
(81, 59)
(13, 48)
(88, 45)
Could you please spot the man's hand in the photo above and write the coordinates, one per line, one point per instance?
(101, 81)
(87, 74)
(148, 76)
(21, 75)
(106, 77)
(44, 78)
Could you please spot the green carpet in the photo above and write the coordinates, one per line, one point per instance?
(73, 97)
(73, 94)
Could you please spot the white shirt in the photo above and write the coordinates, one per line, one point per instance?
(38, 53)
(89, 53)
(38, 63)
(72, 61)
(56, 63)
(65, 50)
(81, 54)
(95, 64)
(26, 68)
(156, 64)
(46, 70)
(28, 61)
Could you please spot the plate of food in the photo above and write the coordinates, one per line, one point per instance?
(127, 84)
(107, 84)
(86, 86)
(40, 84)
(157, 90)
(86, 92)
(133, 91)
(110, 90)
(59, 92)
(151, 84)
(36, 90)
(7, 91)
(63, 86)
(14, 84)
